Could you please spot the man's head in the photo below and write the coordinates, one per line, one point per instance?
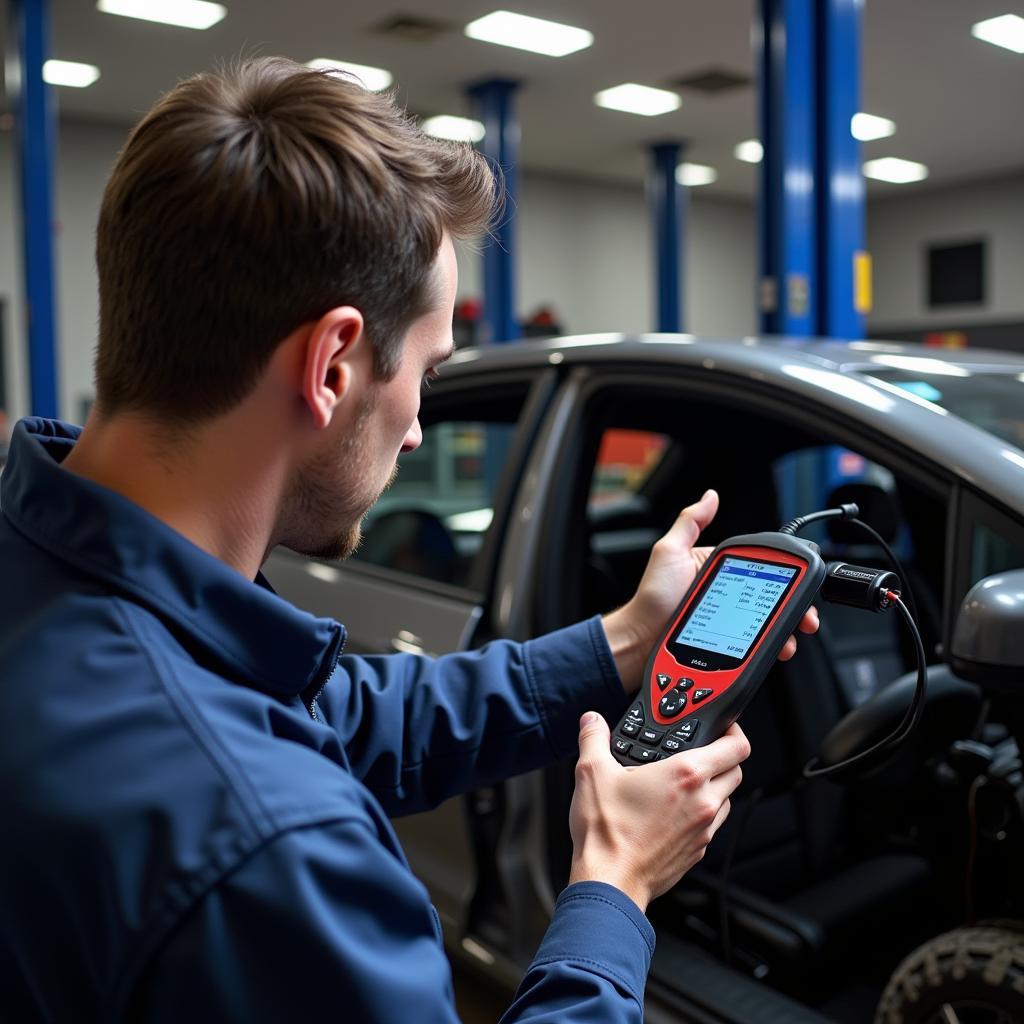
(270, 201)
(250, 201)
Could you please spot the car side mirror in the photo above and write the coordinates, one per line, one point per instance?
(988, 636)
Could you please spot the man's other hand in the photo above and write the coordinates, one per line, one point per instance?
(641, 829)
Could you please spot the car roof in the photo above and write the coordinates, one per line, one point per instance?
(828, 373)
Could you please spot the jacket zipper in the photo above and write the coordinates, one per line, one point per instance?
(311, 707)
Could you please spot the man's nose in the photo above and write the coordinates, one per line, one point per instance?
(414, 438)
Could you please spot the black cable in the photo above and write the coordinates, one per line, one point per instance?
(893, 561)
(794, 526)
(724, 929)
(910, 719)
(972, 847)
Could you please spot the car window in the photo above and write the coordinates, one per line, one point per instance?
(994, 551)
(807, 480)
(991, 400)
(432, 521)
(625, 460)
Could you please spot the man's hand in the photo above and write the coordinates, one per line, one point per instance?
(675, 560)
(641, 829)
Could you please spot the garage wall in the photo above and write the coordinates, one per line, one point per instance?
(86, 154)
(585, 248)
(902, 226)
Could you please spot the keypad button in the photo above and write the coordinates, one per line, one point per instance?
(672, 744)
(644, 754)
(663, 680)
(621, 746)
(629, 727)
(651, 736)
(636, 711)
(685, 731)
(699, 695)
(672, 703)
(684, 684)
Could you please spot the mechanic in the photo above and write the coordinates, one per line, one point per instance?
(196, 782)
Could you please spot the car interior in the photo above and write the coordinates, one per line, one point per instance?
(810, 885)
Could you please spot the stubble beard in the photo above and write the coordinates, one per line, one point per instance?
(332, 494)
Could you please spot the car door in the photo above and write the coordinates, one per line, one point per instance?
(636, 445)
(420, 580)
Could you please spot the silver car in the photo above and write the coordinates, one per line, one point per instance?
(547, 471)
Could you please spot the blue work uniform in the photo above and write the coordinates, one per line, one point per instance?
(195, 785)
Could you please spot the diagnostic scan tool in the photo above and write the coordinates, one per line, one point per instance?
(719, 644)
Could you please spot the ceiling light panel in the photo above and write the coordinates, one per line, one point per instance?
(1007, 31)
(69, 73)
(866, 127)
(373, 79)
(458, 129)
(750, 152)
(183, 13)
(694, 175)
(891, 168)
(534, 34)
(638, 99)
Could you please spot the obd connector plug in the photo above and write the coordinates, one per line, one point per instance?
(860, 586)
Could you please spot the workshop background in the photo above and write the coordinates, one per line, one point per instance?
(601, 235)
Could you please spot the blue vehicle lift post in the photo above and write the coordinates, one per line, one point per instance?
(814, 272)
(35, 140)
(787, 210)
(494, 102)
(495, 106)
(667, 199)
(843, 266)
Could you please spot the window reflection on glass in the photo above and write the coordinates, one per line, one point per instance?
(432, 520)
(625, 460)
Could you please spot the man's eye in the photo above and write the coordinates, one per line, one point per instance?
(428, 377)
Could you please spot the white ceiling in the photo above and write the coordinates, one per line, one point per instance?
(956, 101)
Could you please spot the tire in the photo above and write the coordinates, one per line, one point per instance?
(966, 976)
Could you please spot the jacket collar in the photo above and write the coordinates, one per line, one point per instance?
(258, 637)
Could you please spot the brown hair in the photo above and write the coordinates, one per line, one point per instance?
(252, 200)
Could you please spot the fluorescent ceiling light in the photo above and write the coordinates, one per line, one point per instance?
(524, 33)
(693, 175)
(866, 127)
(750, 152)
(892, 168)
(458, 129)
(1007, 30)
(67, 72)
(373, 79)
(184, 13)
(638, 99)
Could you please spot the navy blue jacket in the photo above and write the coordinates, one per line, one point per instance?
(195, 785)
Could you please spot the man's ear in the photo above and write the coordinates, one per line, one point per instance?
(334, 343)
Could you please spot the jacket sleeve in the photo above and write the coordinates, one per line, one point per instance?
(418, 730)
(323, 923)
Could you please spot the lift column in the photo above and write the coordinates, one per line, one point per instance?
(667, 199)
(815, 276)
(495, 106)
(35, 141)
(844, 267)
(785, 39)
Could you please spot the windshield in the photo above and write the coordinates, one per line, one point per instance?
(992, 400)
